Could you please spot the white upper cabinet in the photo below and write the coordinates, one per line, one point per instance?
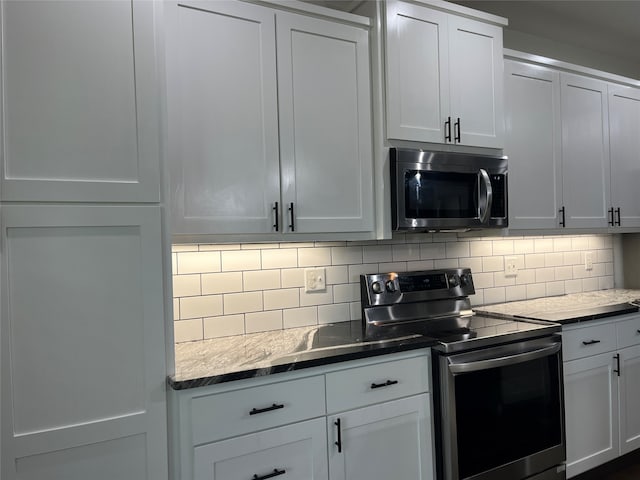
(444, 77)
(80, 101)
(266, 146)
(624, 128)
(533, 145)
(223, 118)
(585, 151)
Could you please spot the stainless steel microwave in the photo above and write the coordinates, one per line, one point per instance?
(433, 191)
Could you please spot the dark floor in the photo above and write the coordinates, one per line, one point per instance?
(624, 468)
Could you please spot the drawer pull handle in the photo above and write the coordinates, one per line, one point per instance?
(255, 411)
(339, 442)
(388, 383)
(591, 342)
(638, 331)
(275, 473)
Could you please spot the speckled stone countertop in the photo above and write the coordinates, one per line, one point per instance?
(213, 361)
(571, 308)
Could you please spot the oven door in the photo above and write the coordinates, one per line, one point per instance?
(502, 412)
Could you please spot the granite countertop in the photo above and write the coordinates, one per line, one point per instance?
(213, 361)
(218, 360)
(571, 308)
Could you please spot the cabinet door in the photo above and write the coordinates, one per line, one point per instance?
(387, 440)
(223, 119)
(83, 350)
(629, 382)
(533, 145)
(585, 151)
(297, 452)
(624, 129)
(591, 412)
(476, 75)
(417, 73)
(80, 100)
(325, 125)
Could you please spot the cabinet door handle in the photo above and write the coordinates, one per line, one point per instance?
(292, 225)
(273, 407)
(388, 383)
(618, 216)
(456, 131)
(447, 130)
(562, 219)
(339, 442)
(617, 357)
(611, 220)
(590, 342)
(275, 473)
(277, 216)
(637, 331)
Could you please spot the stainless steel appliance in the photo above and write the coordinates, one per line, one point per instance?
(447, 191)
(498, 392)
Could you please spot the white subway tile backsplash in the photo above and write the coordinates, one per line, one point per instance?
(300, 317)
(263, 321)
(285, 298)
(314, 257)
(222, 290)
(336, 312)
(223, 326)
(186, 285)
(204, 306)
(261, 280)
(376, 254)
(242, 302)
(213, 283)
(282, 258)
(346, 255)
(238, 260)
(187, 330)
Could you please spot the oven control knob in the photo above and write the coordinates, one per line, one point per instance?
(391, 287)
(465, 279)
(376, 287)
(454, 280)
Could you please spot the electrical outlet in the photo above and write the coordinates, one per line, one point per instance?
(314, 280)
(588, 260)
(510, 267)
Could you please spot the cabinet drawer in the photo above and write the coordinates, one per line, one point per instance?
(629, 332)
(224, 415)
(584, 342)
(381, 382)
(298, 450)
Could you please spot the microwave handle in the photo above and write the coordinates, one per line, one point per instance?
(484, 177)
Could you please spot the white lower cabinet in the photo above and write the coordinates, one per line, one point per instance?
(295, 452)
(384, 441)
(379, 424)
(602, 391)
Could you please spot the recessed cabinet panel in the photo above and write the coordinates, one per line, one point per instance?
(80, 101)
(624, 127)
(223, 120)
(585, 151)
(476, 76)
(81, 313)
(591, 412)
(417, 78)
(533, 145)
(325, 125)
(629, 399)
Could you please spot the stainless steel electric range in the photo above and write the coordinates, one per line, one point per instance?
(498, 394)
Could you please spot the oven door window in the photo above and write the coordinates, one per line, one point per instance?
(431, 194)
(507, 413)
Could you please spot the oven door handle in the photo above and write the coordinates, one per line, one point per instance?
(503, 361)
(486, 214)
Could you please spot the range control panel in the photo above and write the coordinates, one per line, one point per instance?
(405, 287)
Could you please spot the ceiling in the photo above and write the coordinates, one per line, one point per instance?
(611, 28)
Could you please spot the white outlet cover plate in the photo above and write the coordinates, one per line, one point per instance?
(314, 280)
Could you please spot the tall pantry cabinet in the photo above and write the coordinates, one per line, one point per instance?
(82, 393)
